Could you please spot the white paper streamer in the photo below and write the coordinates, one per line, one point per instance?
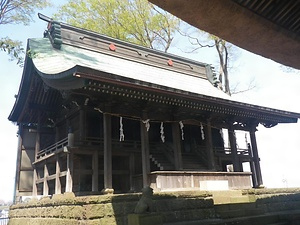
(147, 124)
(86, 101)
(122, 136)
(222, 135)
(181, 128)
(202, 131)
(99, 110)
(162, 134)
(75, 103)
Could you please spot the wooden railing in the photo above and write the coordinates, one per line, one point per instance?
(4, 220)
(227, 151)
(126, 145)
(53, 148)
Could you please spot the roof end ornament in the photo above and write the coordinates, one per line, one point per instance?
(53, 31)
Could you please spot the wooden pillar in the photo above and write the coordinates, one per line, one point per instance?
(56, 134)
(82, 124)
(209, 147)
(234, 155)
(95, 185)
(177, 146)
(57, 176)
(145, 152)
(69, 180)
(256, 159)
(131, 171)
(108, 188)
(37, 149)
(34, 186)
(45, 184)
(252, 167)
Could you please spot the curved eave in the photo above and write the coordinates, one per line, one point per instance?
(23, 93)
(120, 86)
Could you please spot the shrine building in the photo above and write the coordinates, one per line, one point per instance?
(99, 115)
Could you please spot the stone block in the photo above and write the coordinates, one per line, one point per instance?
(145, 219)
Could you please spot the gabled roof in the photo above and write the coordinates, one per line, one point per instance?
(70, 58)
(63, 64)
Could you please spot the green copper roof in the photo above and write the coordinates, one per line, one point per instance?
(53, 64)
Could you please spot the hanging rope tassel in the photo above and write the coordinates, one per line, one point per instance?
(181, 128)
(147, 124)
(162, 134)
(202, 131)
(122, 136)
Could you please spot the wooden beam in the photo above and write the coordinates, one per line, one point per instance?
(177, 146)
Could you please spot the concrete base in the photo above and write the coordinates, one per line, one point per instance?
(214, 185)
(145, 219)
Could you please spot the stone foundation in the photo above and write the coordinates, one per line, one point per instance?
(66, 209)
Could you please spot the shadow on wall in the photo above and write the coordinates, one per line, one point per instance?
(173, 207)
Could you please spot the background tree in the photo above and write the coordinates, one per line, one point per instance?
(135, 21)
(226, 54)
(17, 12)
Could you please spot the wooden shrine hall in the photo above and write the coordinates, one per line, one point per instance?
(99, 115)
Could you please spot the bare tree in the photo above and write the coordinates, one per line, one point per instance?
(226, 51)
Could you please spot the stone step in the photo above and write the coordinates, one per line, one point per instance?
(230, 196)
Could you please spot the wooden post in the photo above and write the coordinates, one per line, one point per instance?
(107, 154)
(252, 167)
(177, 146)
(209, 147)
(82, 124)
(45, 185)
(256, 159)
(69, 180)
(37, 149)
(232, 140)
(145, 152)
(95, 185)
(34, 186)
(57, 176)
(131, 171)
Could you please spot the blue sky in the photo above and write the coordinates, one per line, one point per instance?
(278, 147)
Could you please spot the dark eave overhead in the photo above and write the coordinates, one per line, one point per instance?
(269, 28)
